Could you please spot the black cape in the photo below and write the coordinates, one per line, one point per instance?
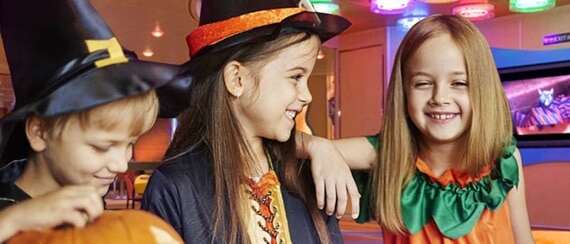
(181, 191)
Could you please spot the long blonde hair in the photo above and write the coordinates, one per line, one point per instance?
(491, 126)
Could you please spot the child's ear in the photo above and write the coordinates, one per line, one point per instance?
(35, 133)
(233, 72)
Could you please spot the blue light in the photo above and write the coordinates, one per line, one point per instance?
(404, 24)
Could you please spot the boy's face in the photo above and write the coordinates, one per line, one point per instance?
(85, 156)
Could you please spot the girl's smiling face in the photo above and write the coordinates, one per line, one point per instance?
(437, 91)
(269, 109)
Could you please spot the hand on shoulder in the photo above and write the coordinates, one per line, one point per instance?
(334, 183)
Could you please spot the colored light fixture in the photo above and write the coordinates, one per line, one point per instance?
(325, 6)
(438, 1)
(388, 6)
(405, 23)
(529, 6)
(474, 11)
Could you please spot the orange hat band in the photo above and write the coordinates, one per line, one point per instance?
(214, 32)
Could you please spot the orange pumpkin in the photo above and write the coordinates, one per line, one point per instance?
(124, 226)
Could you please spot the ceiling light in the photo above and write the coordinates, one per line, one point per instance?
(438, 1)
(388, 6)
(528, 6)
(321, 55)
(474, 11)
(325, 6)
(404, 24)
(148, 52)
(157, 32)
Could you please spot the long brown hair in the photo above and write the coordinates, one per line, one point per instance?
(491, 125)
(210, 120)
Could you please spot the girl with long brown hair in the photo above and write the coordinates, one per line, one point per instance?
(231, 174)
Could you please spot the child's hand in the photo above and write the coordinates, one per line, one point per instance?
(73, 205)
(333, 179)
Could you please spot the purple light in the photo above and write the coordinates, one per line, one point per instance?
(475, 11)
(388, 6)
(555, 39)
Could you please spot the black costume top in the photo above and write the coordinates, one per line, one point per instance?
(182, 192)
(9, 192)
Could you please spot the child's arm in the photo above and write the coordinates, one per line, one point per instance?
(75, 205)
(358, 152)
(517, 208)
(332, 176)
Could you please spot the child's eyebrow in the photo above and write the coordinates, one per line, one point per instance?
(422, 73)
(298, 68)
(459, 73)
(418, 73)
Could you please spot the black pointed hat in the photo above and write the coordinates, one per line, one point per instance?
(64, 59)
(226, 23)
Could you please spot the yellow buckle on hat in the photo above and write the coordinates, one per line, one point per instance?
(112, 45)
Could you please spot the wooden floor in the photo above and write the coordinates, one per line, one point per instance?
(355, 233)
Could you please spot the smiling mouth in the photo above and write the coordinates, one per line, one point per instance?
(442, 116)
(106, 180)
(290, 114)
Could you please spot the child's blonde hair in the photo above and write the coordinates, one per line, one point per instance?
(490, 128)
(139, 111)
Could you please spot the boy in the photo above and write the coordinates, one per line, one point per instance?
(81, 104)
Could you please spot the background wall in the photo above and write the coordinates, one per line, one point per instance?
(525, 31)
(322, 87)
(6, 94)
(152, 145)
(362, 80)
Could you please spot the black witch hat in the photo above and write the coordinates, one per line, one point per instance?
(64, 59)
(226, 23)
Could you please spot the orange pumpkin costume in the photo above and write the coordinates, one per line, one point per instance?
(456, 207)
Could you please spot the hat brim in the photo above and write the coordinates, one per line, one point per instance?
(94, 88)
(326, 26)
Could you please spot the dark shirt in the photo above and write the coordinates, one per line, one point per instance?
(182, 192)
(10, 193)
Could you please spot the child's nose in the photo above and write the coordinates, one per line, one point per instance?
(440, 96)
(119, 160)
(305, 95)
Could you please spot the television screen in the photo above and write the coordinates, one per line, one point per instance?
(539, 99)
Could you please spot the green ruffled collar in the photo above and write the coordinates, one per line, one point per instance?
(456, 210)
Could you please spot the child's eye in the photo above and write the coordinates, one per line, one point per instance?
(297, 77)
(460, 83)
(420, 84)
(100, 148)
